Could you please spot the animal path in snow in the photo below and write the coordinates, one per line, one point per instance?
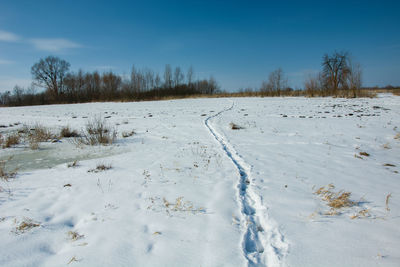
(262, 243)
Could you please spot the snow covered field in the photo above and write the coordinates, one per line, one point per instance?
(188, 190)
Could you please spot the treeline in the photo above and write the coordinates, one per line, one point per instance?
(62, 86)
(339, 77)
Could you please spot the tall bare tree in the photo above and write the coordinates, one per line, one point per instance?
(50, 73)
(335, 71)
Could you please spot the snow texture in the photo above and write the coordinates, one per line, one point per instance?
(188, 190)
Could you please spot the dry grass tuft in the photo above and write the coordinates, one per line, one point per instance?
(234, 126)
(41, 133)
(98, 132)
(361, 214)
(66, 132)
(26, 225)
(36, 134)
(73, 235)
(335, 200)
(73, 259)
(73, 164)
(100, 168)
(4, 174)
(397, 136)
(11, 140)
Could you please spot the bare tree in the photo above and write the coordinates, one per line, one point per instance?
(178, 76)
(354, 77)
(49, 73)
(335, 71)
(157, 81)
(168, 76)
(276, 82)
(313, 85)
(189, 76)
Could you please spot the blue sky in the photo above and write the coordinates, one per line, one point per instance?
(238, 42)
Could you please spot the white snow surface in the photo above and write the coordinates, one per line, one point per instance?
(187, 190)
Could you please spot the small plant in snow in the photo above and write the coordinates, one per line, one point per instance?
(11, 140)
(97, 132)
(4, 174)
(234, 126)
(36, 134)
(73, 164)
(68, 132)
(101, 167)
(73, 235)
(335, 200)
(26, 225)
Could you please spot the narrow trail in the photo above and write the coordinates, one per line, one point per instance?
(262, 243)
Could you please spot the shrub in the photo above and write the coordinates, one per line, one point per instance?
(101, 167)
(98, 132)
(40, 133)
(11, 140)
(67, 132)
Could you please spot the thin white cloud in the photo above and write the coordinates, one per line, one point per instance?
(8, 36)
(53, 45)
(5, 62)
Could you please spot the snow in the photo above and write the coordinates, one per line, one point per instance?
(187, 190)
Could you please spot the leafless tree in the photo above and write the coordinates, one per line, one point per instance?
(168, 76)
(189, 76)
(313, 85)
(276, 82)
(354, 78)
(157, 81)
(335, 71)
(178, 76)
(50, 73)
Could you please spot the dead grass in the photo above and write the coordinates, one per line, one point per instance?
(397, 136)
(73, 164)
(36, 134)
(4, 174)
(234, 126)
(74, 236)
(67, 132)
(365, 213)
(389, 165)
(11, 140)
(101, 167)
(335, 200)
(98, 132)
(26, 225)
